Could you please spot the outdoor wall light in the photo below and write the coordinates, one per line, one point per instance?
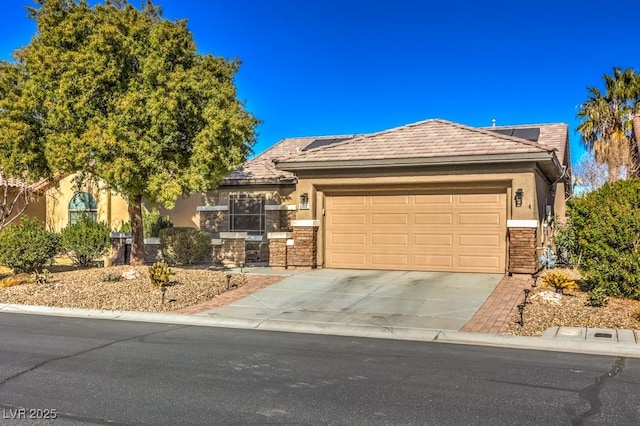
(519, 196)
(304, 201)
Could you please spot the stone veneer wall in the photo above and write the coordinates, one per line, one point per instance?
(522, 250)
(278, 252)
(304, 251)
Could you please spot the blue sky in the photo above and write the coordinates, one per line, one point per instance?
(355, 66)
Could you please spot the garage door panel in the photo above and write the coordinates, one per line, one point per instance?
(348, 239)
(480, 200)
(349, 219)
(477, 262)
(398, 261)
(429, 262)
(389, 219)
(433, 240)
(433, 218)
(390, 239)
(479, 219)
(348, 260)
(390, 201)
(433, 200)
(490, 240)
(431, 232)
(356, 201)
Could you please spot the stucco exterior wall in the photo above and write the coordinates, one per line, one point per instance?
(35, 210)
(112, 208)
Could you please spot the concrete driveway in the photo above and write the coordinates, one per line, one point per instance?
(425, 300)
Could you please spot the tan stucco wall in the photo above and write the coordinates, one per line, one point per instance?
(185, 214)
(112, 208)
(36, 209)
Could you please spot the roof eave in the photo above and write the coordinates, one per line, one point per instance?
(292, 166)
(259, 181)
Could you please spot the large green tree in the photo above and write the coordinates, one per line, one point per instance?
(122, 94)
(606, 120)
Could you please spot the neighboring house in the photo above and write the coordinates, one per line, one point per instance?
(433, 195)
(15, 206)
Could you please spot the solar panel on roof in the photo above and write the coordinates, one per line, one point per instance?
(323, 142)
(528, 133)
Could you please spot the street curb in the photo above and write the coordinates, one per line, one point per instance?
(353, 330)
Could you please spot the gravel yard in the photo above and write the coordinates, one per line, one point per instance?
(88, 289)
(571, 311)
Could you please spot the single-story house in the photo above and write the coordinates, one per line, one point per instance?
(433, 195)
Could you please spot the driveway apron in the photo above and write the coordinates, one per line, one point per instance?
(425, 300)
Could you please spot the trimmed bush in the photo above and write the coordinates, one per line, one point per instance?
(184, 246)
(85, 240)
(606, 223)
(27, 247)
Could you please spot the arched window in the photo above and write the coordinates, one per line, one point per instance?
(82, 205)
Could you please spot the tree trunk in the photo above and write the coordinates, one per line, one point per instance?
(614, 171)
(137, 235)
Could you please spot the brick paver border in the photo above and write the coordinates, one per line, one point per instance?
(496, 312)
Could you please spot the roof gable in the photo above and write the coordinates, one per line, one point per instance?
(425, 139)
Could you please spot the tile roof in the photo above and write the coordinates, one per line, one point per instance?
(431, 139)
(19, 183)
(261, 169)
(551, 134)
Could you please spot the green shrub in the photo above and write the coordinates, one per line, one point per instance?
(42, 277)
(564, 238)
(607, 228)
(85, 240)
(27, 247)
(183, 246)
(111, 277)
(160, 274)
(153, 223)
(597, 297)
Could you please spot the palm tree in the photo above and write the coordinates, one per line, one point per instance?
(606, 120)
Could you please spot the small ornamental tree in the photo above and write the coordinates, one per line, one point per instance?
(122, 94)
(606, 223)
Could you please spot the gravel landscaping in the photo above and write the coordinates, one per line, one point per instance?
(88, 289)
(548, 309)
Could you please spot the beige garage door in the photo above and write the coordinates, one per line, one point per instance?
(435, 232)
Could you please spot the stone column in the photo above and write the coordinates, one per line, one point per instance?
(233, 248)
(522, 246)
(119, 247)
(305, 244)
(278, 249)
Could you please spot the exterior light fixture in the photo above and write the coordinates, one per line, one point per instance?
(304, 201)
(519, 196)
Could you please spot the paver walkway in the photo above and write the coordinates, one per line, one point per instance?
(496, 312)
(254, 283)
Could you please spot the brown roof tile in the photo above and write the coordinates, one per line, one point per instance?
(435, 138)
(261, 169)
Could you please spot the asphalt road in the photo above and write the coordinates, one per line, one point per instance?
(114, 372)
